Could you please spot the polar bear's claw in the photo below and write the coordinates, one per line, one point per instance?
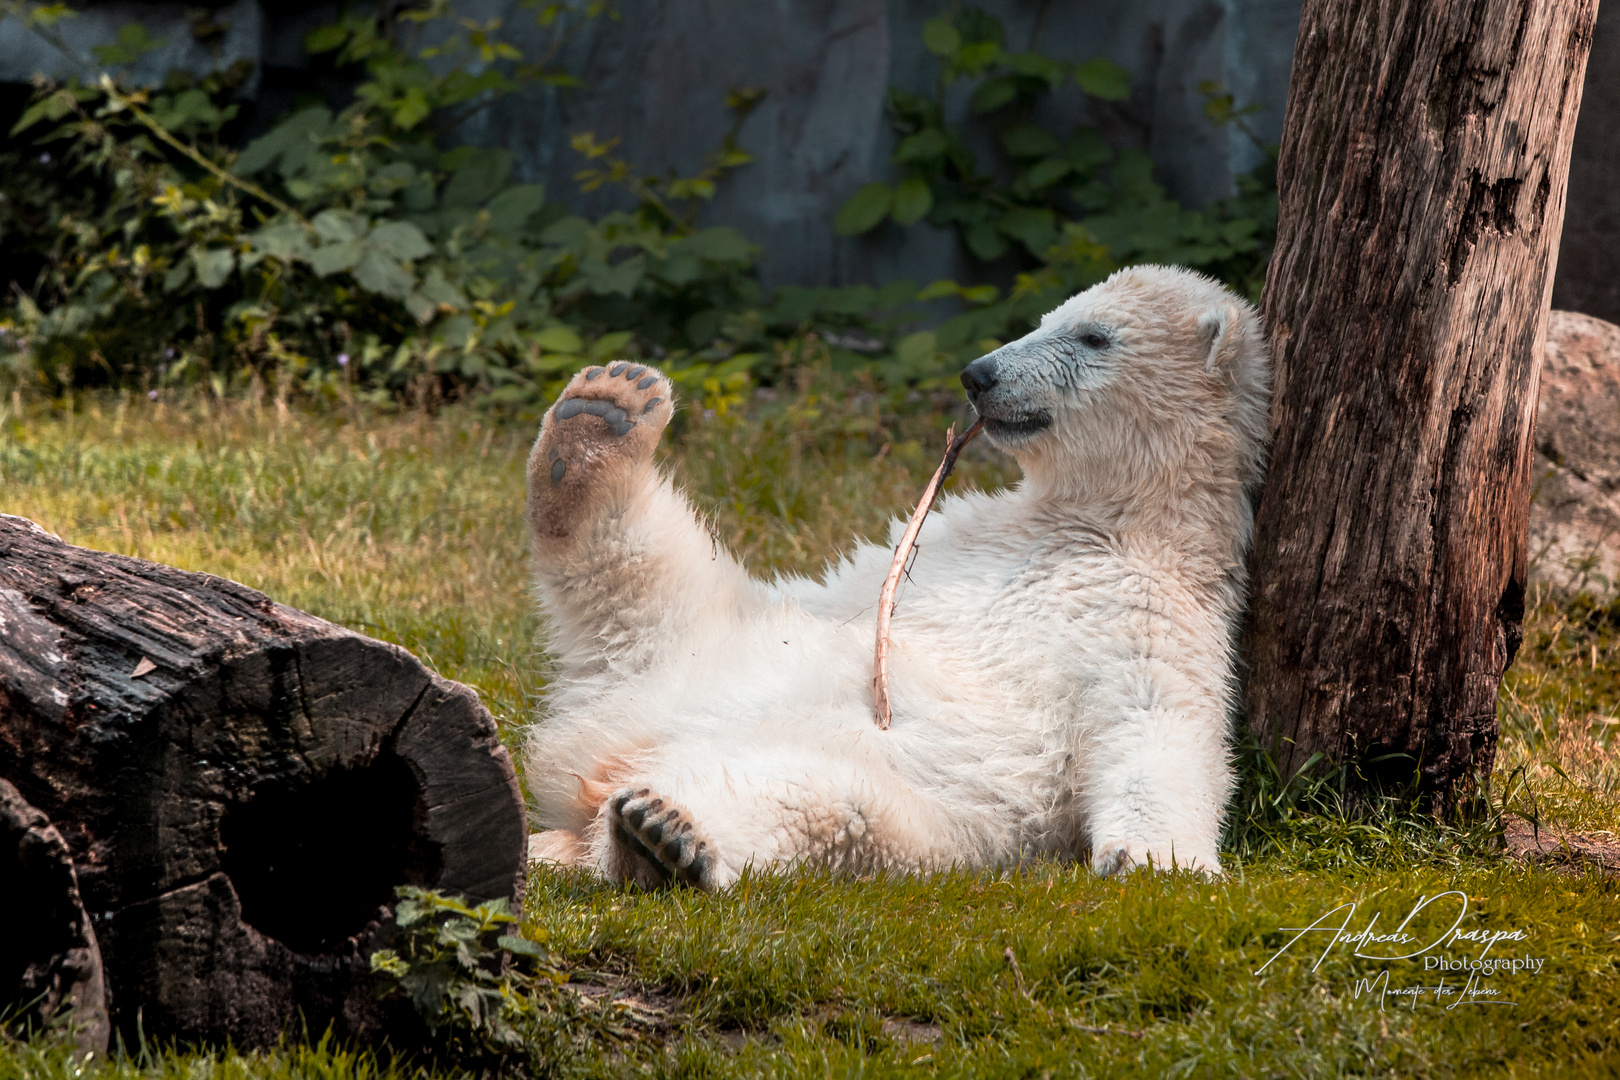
(661, 836)
(1113, 862)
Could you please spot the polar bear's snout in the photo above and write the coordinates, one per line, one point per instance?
(979, 377)
(1010, 390)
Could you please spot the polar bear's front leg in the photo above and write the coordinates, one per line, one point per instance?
(1158, 790)
(622, 564)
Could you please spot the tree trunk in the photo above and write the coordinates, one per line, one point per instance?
(1422, 171)
(49, 960)
(241, 787)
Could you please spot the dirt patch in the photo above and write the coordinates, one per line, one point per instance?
(912, 1031)
(1547, 845)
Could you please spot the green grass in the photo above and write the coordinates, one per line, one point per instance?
(409, 528)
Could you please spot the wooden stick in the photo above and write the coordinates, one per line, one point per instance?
(880, 661)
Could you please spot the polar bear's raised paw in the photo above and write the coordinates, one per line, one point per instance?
(661, 837)
(605, 422)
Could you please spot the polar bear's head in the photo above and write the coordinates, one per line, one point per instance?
(1157, 376)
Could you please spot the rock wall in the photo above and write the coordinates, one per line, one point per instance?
(1588, 265)
(657, 79)
(1575, 509)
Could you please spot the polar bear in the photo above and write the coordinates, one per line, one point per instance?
(1061, 662)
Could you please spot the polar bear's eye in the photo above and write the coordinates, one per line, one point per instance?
(1092, 339)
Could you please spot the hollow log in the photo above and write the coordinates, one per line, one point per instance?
(50, 964)
(241, 787)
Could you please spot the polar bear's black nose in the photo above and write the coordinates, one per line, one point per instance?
(979, 376)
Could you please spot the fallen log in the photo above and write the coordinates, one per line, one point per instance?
(50, 965)
(241, 786)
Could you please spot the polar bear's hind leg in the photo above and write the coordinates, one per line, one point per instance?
(658, 842)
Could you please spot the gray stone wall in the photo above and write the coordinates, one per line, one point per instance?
(657, 80)
(24, 54)
(1589, 256)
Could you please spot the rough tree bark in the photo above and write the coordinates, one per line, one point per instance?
(1422, 172)
(241, 786)
(49, 959)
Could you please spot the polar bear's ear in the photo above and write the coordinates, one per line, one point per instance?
(1219, 329)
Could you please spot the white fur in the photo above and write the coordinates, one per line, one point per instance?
(1062, 664)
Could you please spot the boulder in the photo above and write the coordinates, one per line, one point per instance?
(1575, 505)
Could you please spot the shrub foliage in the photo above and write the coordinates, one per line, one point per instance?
(357, 248)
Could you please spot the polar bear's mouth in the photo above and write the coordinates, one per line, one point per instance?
(1017, 427)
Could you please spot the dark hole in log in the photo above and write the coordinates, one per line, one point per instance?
(37, 914)
(25, 911)
(312, 862)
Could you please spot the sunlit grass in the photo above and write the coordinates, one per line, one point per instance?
(409, 527)
(1559, 758)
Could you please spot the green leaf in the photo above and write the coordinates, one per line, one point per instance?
(992, 94)
(1103, 79)
(325, 39)
(609, 345)
(979, 55)
(377, 273)
(522, 946)
(133, 43)
(213, 265)
(719, 244)
(290, 142)
(1087, 148)
(410, 108)
(400, 240)
(190, 108)
(1045, 173)
(864, 210)
(620, 278)
(339, 226)
(941, 38)
(510, 211)
(332, 258)
(1029, 141)
(1039, 67)
(1036, 229)
(421, 308)
(51, 107)
(560, 339)
(985, 241)
(917, 351)
(392, 178)
(928, 144)
(440, 291)
(479, 173)
(286, 240)
(570, 233)
(178, 275)
(912, 199)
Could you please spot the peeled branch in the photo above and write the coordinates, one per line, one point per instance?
(902, 552)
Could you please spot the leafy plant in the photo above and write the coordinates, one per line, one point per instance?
(349, 247)
(1071, 207)
(475, 982)
(354, 252)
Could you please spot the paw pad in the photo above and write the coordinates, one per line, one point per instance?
(662, 834)
(615, 416)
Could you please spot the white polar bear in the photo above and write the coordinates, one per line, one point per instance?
(1062, 655)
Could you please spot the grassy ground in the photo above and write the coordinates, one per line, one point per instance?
(408, 528)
